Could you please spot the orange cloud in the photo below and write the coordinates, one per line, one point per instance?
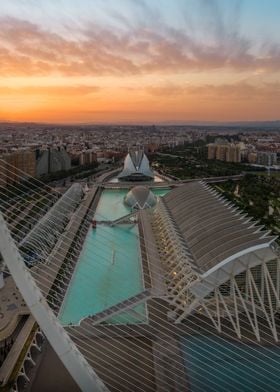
(134, 74)
(59, 91)
(237, 91)
(27, 49)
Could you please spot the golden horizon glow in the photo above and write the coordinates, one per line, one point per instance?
(146, 73)
(160, 102)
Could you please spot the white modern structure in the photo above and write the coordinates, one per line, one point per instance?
(136, 167)
(52, 160)
(200, 257)
(66, 350)
(44, 235)
(140, 197)
(220, 263)
(2, 282)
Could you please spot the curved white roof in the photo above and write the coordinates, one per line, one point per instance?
(213, 229)
(140, 197)
(136, 165)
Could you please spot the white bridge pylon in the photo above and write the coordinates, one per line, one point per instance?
(73, 360)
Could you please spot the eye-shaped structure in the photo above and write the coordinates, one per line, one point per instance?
(140, 197)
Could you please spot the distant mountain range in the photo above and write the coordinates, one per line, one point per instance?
(246, 124)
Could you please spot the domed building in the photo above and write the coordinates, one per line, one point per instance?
(140, 197)
(136, 167)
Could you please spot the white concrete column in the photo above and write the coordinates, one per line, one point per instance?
(73, 360)
(2, 282)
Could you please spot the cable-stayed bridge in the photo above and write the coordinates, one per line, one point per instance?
(42, 239)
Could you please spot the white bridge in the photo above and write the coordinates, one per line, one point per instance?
(206, 259)
(76, 364)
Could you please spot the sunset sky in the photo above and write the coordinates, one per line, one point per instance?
(139, 60)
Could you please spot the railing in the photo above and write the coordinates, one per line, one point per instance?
(120, 307)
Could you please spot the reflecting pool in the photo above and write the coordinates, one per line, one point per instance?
(217, 365)
(109, 269)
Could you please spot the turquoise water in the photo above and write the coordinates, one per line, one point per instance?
(109, 267)
(216, 365)
(111, 205)
(108, 271)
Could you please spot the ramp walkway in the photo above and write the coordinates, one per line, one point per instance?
(122, 219)
(120, 307)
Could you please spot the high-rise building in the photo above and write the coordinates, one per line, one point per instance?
(221, 152)
(14, 164)
(3, 175)
(52, 160)
(87, 157)
(266, 158)
(233, 153)
(212, 151)
(224, 152)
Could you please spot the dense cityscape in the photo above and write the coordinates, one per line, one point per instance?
(109, 165)
(139, 196)
(42, 150)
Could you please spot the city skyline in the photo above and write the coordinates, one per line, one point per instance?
(139, 61)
